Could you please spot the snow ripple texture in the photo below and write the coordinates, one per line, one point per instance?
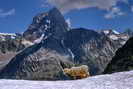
(122, 80)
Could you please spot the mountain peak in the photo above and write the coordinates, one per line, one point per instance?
(54, 10)
(108, 32)
(50, 23)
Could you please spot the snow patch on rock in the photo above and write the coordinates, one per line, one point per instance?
(39, 39)
(113, 37)
(106, 32)
(116, 32)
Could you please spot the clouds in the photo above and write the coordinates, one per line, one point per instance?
(132, 8)
(7, 13)
(68, 5)
(114, 12)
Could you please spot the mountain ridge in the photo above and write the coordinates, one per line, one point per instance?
(55, 46)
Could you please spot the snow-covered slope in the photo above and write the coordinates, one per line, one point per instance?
(116, 36)
(4, 36)
(123, 80)
(10, 34)
(110, 32)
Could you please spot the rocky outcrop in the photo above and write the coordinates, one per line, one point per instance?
(123, 59)
(79, 72)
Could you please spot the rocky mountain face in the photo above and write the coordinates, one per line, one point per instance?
(76, 40)
(47, 24)
(40, 61)
(123, 59)
(46, 59)
(90, 48)
(10, 45)
(53, 46)
(10, 42)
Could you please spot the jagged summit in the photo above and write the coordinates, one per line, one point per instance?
(50, 23)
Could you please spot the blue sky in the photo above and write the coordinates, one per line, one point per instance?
(16, 15)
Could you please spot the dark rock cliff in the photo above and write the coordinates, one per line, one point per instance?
(123, 59)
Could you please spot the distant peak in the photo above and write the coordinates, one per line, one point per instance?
(107, 32)
(116, 32)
